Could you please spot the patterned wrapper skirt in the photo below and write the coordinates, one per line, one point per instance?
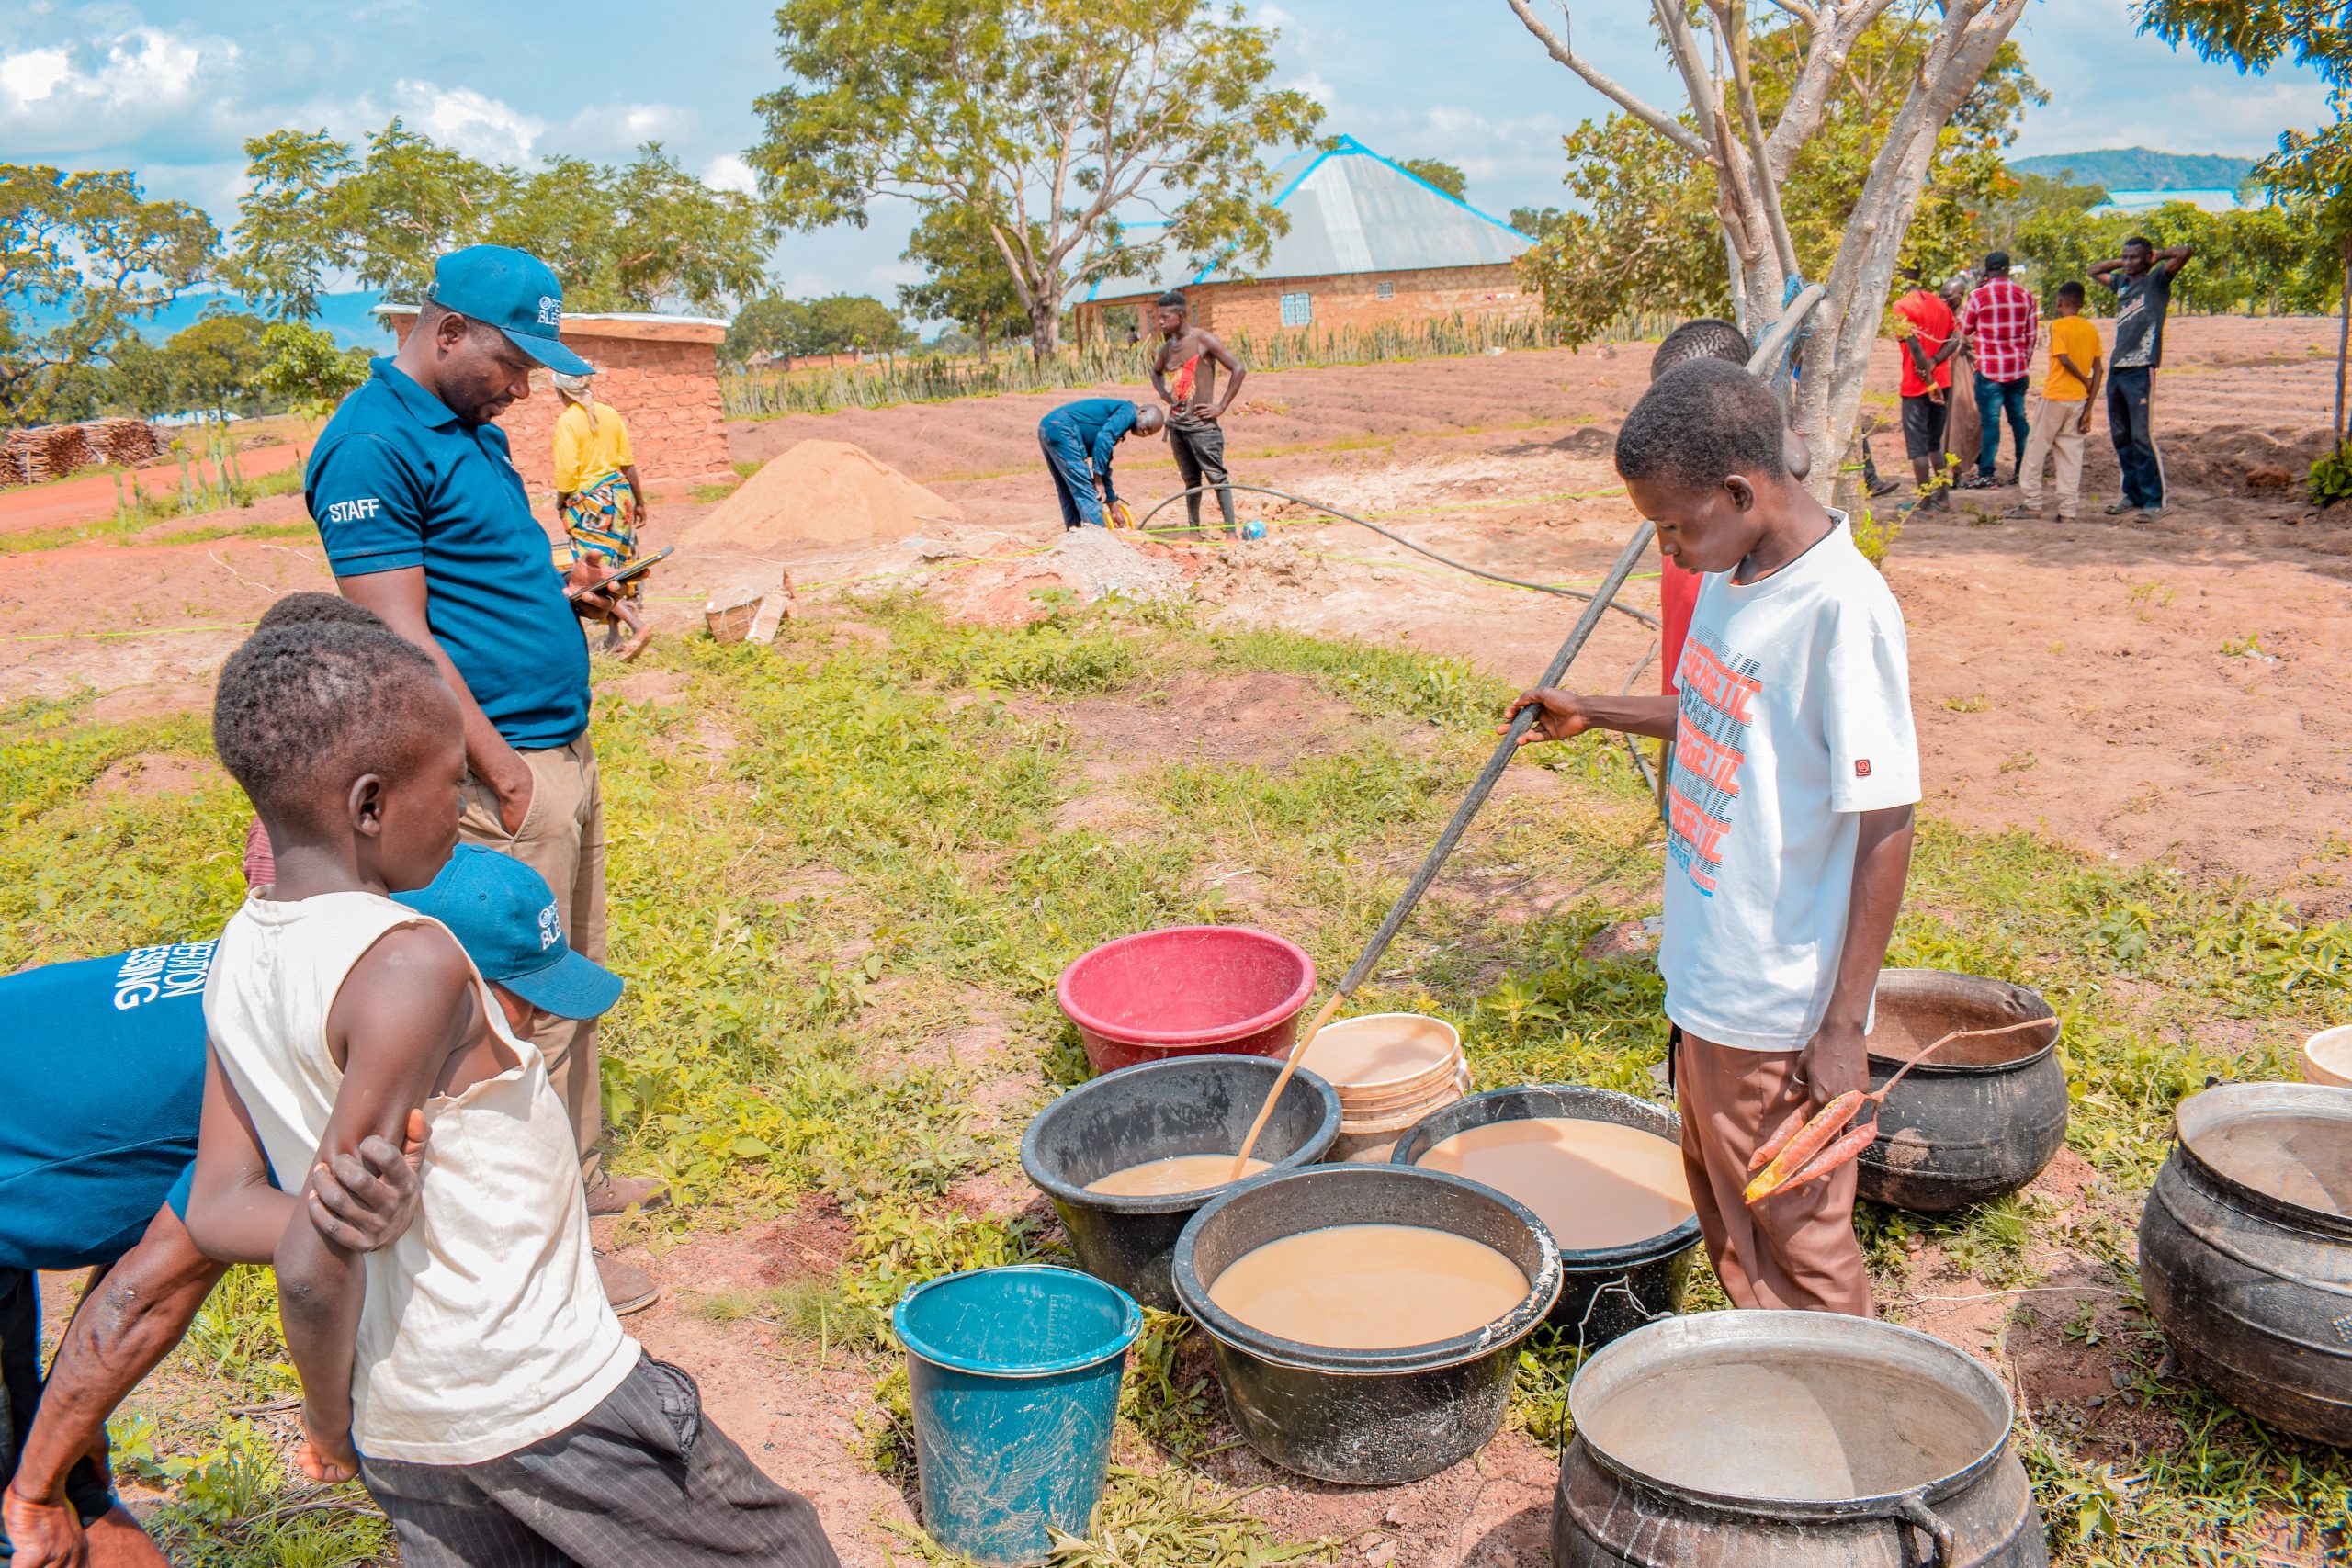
(601, 517)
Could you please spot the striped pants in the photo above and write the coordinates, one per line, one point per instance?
(641, 1480)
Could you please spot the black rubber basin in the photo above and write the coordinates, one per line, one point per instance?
(1604, 1291)
(1366, 1417)
(1185, 1105)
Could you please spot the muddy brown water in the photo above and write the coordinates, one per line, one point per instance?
(2305, 1160)
(1595, 1184)
(1904, 1027)
(1370, 1287)
(1175, 1175)
(1790, 1427)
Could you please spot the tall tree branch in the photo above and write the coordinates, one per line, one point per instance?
(1665, 124)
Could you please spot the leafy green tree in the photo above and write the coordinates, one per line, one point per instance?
(1804, 166)
(215, 361)
(1445, 176)
(306, 369)
(968, 283)
(1043, 119)
(839, 323)
(630, 237)
(93, 245)
(2311, 171)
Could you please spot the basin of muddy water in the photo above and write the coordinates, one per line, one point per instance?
(1364, 1319)
(1771, 1439)
(1602, 1170)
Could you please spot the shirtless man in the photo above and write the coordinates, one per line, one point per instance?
(1184, 375)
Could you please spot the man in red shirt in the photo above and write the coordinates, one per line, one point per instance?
(1928, 346)
(2001, 321)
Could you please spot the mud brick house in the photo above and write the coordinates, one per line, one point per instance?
(661, 372)
(1370, 243)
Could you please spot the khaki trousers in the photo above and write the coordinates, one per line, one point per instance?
(1795, 1250)
(2051, 429)
(562, 839)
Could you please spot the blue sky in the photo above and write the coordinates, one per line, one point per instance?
(171, 90)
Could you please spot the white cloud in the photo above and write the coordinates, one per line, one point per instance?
(730, 171)
(71, 95)
(472, 122)
(1315, 87)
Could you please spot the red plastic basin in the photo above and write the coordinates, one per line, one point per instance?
(1185, 990)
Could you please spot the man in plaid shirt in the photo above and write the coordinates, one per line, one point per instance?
(1999, 322)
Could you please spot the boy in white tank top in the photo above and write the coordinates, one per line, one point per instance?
(472, 1372)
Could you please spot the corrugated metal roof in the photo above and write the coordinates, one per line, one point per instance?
(1351, 211)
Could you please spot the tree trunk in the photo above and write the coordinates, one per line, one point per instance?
(2343, 348)
(1045, 323)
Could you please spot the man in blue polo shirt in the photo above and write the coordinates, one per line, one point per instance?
(1078, 440)
(100, 1087)
(426, 523)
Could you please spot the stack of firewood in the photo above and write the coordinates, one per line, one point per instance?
(53, 451)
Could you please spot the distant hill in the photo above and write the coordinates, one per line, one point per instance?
(2140, 168)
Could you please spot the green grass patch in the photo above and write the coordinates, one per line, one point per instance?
(835, 853)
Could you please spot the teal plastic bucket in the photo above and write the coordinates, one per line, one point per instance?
(1016, 1376)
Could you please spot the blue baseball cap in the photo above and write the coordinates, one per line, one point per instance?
(512, 290)
(503, 915)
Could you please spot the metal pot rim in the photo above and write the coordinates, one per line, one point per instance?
(1933, 1068)
(1230, 1332)
(2190, 1117)
(1741, 1322)
(1032, 1165)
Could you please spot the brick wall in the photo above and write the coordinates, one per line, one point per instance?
(1353, 300)
(667, 393)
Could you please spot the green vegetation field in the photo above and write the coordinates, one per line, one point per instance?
(834, 851)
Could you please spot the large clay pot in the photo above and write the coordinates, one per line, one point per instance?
(2251, 1282)
(1980, 1117)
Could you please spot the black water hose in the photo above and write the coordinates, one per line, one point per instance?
(1564, 592)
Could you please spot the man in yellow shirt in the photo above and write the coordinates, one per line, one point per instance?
(2061, 414)
(602, 502)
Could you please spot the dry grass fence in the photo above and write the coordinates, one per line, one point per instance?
(763, 393)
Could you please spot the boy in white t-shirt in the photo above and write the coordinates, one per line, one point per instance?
(1788, 816)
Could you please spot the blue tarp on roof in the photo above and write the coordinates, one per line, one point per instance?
(1351, 211)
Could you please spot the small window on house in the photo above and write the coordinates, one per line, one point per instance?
(1298, 309)
(1388, 291)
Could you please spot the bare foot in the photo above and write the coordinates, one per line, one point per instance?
(636, 645)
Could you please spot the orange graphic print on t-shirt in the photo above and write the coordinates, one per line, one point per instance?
(1710, 744)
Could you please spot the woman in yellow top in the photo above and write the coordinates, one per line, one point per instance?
(602, 502)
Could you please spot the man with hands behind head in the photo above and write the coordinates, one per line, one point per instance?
(1789, 806)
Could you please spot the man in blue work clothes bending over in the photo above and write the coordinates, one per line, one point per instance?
(426, 523)
(1078, 439)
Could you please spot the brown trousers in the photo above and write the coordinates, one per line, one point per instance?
(1795, 1250)
(562, 839)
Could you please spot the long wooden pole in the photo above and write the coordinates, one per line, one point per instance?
(1484, 786)
(2343, 348)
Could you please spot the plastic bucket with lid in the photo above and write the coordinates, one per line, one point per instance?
(1185, 1105)
(1390, 1070)
(1365, 1418)
(1185, 990)
(1014, 1377)
(1605, 1291)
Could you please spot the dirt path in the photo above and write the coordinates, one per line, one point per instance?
(2173, 691)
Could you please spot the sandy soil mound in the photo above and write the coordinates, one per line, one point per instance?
(822, 492)
(1092, 563)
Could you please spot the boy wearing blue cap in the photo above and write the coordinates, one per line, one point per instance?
(472, 1373)
(426, 522)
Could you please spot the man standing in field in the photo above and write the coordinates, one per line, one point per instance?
(2000, 322)
(2060, 412)
(2142, 297)
(1189, 388)
(1928, 341)
(426, 523)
